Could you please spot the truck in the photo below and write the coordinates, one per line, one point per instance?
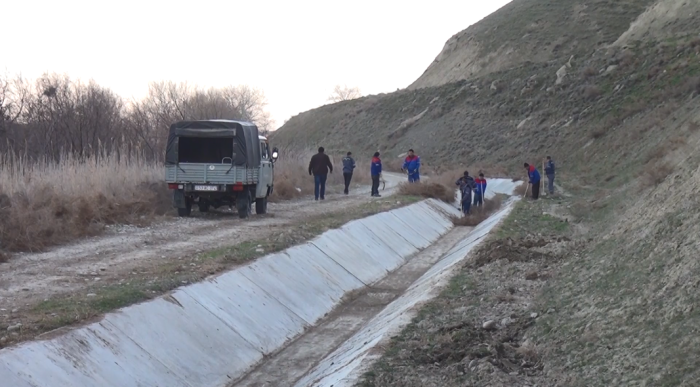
(214, 163)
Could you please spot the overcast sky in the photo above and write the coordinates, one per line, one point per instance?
(295, 50)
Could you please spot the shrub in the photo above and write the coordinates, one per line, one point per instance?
(590, 72)
(591, 92)
(48, 203)
(520, 190)
(655, 175)
(428, 190)
(479, 214)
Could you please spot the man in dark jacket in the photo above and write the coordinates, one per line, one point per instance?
(319, 166)
(534, 177)
(466, 186)
(348, 168)
(375, 171)
(549, 171)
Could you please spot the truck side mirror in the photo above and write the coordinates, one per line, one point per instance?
(275, 154)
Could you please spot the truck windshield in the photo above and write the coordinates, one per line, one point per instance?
(205, 150)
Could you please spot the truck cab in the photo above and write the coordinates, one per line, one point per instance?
(214, 163)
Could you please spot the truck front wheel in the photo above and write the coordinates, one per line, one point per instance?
(243, 204)
(261, 206)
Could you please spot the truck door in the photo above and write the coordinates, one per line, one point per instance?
(265, 180)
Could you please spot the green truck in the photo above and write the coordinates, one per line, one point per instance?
(214, 163)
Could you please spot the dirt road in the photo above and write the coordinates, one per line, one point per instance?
(126, 251)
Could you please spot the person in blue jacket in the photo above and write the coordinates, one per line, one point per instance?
(466, 186)
(348, 169)
(412, 166)
(480, 190)
(375, 171)
(549, 171)
(534, 177)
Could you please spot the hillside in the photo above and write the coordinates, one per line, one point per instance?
(522, 111)
(619, 304)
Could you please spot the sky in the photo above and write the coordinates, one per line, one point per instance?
(296, 51)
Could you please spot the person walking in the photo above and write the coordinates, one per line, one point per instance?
(480, 190)
(376, 171)
(466, 185)
(412, 166)
(348, 168)
(549, 171)
(319, 166)
(534, 177)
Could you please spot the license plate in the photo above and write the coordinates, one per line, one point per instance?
(206, 188)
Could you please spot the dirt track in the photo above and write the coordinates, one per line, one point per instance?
(125, 251)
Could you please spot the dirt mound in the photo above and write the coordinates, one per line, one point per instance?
(513, 251)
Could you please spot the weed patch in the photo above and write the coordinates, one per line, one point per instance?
(428, 190)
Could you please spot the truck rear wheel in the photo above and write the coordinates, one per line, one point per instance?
(243, 204)
(261, 206)
(203, 206)
(184, 212)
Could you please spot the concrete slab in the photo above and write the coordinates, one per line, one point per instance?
(429, 229)
(300, 286)
(308, 254)
(187, 339)
(10, 378)
(336, 245)
(334, 370)
(385, 231)
(95, 355)
(407, 232)
(250, 311)
(372, 245)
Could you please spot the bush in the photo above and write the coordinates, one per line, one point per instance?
(479, 214)
(428, 190)
(590, 72)
(520, 190)
(48, 203)
(655, 175)
(592, 92)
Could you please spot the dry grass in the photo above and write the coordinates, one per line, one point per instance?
(520, 190)
(48, 203)
(428, 190)
(655, 175)
(590, 72)
(592, 92)
(479, 214)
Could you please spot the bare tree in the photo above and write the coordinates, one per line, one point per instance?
(344, 93)
(13, 100)
(56, 114)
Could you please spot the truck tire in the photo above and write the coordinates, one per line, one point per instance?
(261, 206)
(243, 204)
(203, 206)
(185, 212)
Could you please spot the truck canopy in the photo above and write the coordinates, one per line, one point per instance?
(204, 134)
